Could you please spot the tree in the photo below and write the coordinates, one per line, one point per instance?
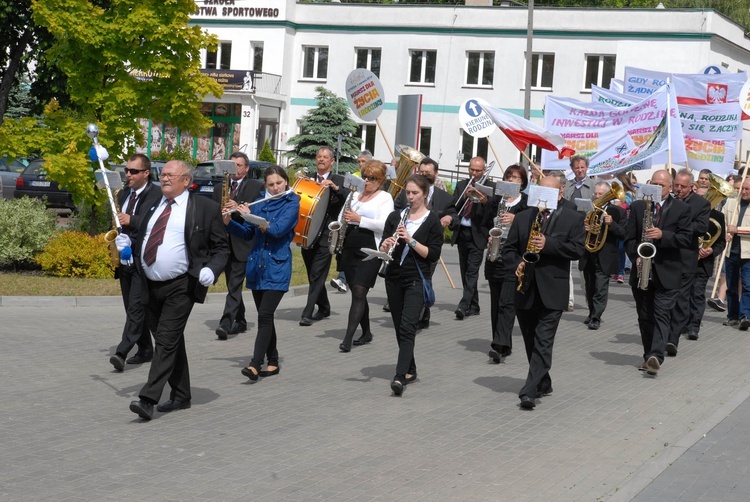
(321, 126)
(266, 154)
(119, 62)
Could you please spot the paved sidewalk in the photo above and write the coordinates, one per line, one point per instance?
(328, 428)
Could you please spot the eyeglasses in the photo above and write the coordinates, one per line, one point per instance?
(170, 177)
(371, 179)
(134, 171)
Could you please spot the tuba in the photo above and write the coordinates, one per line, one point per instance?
(409, 159)
(597, 233)
(646, 249)
(531, 256)
(718, 190)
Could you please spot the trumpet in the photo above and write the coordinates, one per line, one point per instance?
(597, 233)
(646, 249)
(531, 256)
(395, 232)
(471, 196)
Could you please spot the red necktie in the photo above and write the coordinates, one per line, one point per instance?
(321, 179)
(658, 214)
(468, 206)
(131, 203)
(157, 234)
(234, 189)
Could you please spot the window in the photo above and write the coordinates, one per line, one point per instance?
(425, 138)
(367, 134)
(472, 147)
(315, 62)
(257, 53)
(222, 57)
(480, 68)
(369, 59)
(542, 70)
(422, 67)
(599, 71)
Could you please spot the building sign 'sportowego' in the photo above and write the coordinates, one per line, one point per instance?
(230, 9)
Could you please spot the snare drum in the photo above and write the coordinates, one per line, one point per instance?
(313, 204)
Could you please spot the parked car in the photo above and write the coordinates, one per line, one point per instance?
(9, 171)
(207, 182)
(33, 183)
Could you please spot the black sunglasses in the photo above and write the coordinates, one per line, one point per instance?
(371, 179)
(134, 171)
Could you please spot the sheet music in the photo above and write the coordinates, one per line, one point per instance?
(545, 197)
(507, 189)
(584, 205)
(255, 220)
(654, 191)
(355, 183)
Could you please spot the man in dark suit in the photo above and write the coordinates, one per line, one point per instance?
(706, 258)
(181, 247)
(671, 231)
(133, 202)
(439, 201)
(540, 308)
(241, 189)
(470, 234)
(317, 258)
(599, 266)
(700, 209)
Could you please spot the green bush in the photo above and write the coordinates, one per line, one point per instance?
(179, 153)
(25, 228)
(92, 219)
(76, 254)
(266, 154)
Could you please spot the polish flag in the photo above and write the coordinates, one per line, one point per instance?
(522, 132)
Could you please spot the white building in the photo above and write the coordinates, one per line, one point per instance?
(446, 53)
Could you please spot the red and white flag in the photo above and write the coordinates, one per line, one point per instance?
(523, 133)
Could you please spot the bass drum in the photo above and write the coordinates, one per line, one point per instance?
(313, 204)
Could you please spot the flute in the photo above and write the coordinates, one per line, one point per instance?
(277, 196)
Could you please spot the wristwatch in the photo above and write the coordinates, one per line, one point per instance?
(413, 243)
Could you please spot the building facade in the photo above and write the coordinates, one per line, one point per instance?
(448, 54)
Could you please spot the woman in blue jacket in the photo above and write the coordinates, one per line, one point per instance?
(269, 266)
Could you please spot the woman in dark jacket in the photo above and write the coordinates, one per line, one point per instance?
(269, 265)
(502, 280)
(418, 240)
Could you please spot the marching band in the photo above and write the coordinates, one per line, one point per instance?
(527, 234)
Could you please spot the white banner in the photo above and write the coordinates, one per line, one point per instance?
(713, 122)
(612, 97)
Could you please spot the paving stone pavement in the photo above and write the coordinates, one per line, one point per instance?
(328, 427)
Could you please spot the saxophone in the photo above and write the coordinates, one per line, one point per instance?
(337, 229)
(111, 235)
(646, 249)
(498, 233)
(531, 256)
(225, 195)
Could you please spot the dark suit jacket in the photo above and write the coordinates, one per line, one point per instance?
(677, 233)
(495, 270)
(707, 264)
(700, 209)
(335, 204)
(441, 203)
(248, 191)
(609, 255)
(479, 232)
(149, 196)
(564, 243)
(206, 239)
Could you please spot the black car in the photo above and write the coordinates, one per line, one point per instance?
(33, 183)
(207, 182)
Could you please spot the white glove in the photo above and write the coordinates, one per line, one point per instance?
(122, 241)
(101, 152)
(206, 277)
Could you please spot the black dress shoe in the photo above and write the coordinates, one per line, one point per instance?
(363, 340)
(543, 392)
(594, 324)
(143, 409)
(345, 347)
(222, 332)
(397, 386)
(173, 404)
(744, 324)
(305, 321)
(410, 378)
(527, 403)
(671, 349)
(118, 362)
(141, 358)
(472, 312)
(237, 328)
(587, 320)
(321, 314)
(249, 373)
(460, 313)
(495, 356)
(692, 335)
(424, 324)
(266, 373)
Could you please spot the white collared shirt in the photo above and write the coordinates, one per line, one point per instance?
(172, 255)
(411, 227)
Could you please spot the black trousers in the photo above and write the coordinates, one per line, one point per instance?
(697, 301)
(135, 331)
(596, 283)
(266, 302)
(654, 307)
(538, 327)
(405, 299)
(470, 259)
(169, 307)
(681, 310)
(502, 311)
(317, 262)
(234, 305)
